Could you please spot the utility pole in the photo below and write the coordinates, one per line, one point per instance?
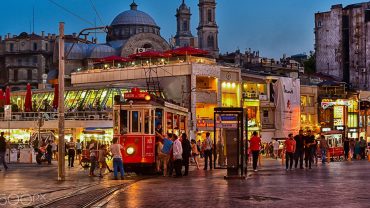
(61, 145)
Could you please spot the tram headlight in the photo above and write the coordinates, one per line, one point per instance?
(130, 150)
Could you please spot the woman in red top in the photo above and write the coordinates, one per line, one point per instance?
(255, 145)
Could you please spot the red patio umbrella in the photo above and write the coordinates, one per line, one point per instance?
(1, 98)
(28, 99)
(7, 96)
(187, 51)
(56, 96)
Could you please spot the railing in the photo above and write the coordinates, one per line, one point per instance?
(46, 116)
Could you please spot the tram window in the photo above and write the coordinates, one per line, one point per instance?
(123, 123)
(146, 121)
(158, 116)
(135, 121)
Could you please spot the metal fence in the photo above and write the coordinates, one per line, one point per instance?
(79, 115)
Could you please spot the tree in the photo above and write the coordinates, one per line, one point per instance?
(310, 64)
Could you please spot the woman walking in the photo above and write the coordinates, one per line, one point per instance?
(195, 152)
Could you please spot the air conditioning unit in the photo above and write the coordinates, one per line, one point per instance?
(140, 50)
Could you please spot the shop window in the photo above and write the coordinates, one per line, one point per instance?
(310, 101)
(303, 118)
(303, 101)
(352, 120)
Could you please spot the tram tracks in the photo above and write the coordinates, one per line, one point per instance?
(90, 196)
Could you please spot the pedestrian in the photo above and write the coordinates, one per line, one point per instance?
(71, 152)
(195, 152)
(255, 146)
(78, 150)
(309, 143)
(298, 155)
(186, 152)
(323, 148)
(93, 159)
(362, 147)
(115, 149)
(103, 153)
(3, 150)
(290, 148)
(166, 150)
(177, 155)
(54, 148)
(170, 165)
(357, 150)
(346, 148)
(159, 156)
(352, 144)
(49, 152)
(208, 144)
(275, 145)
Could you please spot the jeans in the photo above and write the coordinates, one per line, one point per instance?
(255, 158)
(308, 157)
(207, 156)
(2, 159)
(93, 164)
(185, 162)
(118, 164)
(178, 165)
(323, 155)
(299, 156)
(289, 160)
(48, 157)
(71, 157)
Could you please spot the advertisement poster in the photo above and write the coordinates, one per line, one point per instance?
(288, 106)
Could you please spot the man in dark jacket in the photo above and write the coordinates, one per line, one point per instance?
(299, 139)
(3, 150)
(186, 152)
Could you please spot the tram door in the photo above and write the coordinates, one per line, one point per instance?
(232, 150)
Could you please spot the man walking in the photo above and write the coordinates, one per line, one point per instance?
(362, 148)
(255, 146)
(299, 139)
(3, 150)
(275, 146)
(323, 148)
(309, 143)
(290, 148)
(115, 149)
(177, 155)
(186, 147)
(208, 144)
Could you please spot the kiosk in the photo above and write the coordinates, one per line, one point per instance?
(228, 133)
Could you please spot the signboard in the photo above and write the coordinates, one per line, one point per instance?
(7, 112)
(227, 125)
(327, 104)
(136, 94)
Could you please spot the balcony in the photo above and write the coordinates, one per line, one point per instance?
(206, 96)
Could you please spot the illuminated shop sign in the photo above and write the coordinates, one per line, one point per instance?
(339, 127)
(327, 104)
(326, 129)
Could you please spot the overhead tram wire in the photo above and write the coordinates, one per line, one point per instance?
(96, 12)
(72, 13)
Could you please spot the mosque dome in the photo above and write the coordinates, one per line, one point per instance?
(133, 17)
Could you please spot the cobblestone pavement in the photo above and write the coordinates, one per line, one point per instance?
(338, 184)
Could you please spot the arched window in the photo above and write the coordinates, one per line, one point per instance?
(185, 25)
(210, 41)
(209, 15)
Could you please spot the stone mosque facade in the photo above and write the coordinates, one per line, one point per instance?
(27, 58)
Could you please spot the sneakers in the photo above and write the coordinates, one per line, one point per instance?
(255, 170)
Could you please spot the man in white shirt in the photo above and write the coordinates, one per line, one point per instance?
(177, 155)
(208, 144)
(115, 149)
(275, 145)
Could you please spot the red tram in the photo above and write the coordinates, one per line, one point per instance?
(135, 121)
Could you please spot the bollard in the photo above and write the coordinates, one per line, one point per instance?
(368, 155)
(328, 156)
(282, 158)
